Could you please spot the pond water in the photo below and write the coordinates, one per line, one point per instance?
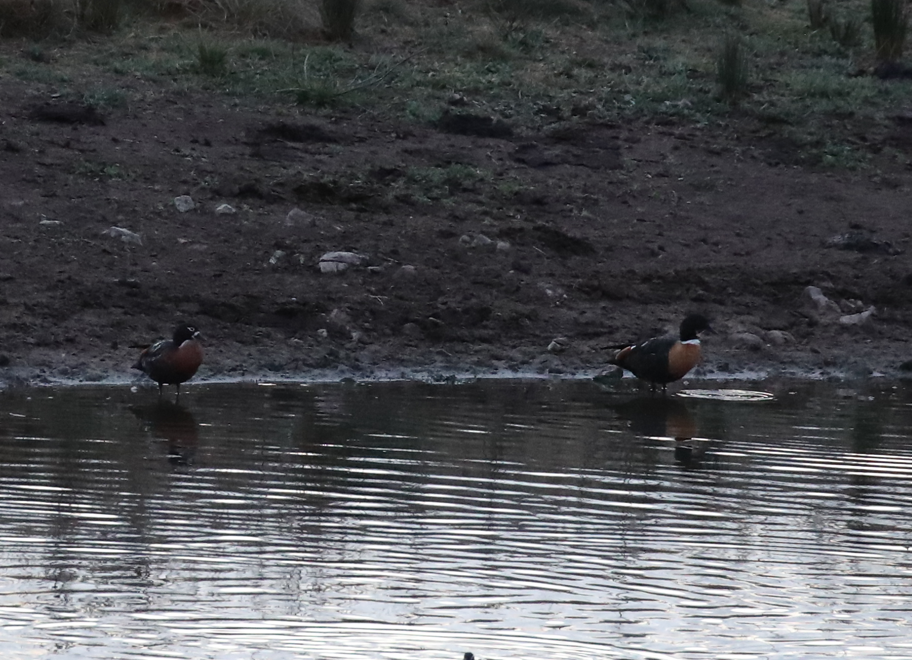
(512, 519)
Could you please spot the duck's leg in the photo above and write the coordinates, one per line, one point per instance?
(177, 398)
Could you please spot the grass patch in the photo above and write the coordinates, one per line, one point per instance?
(106, 98)
(433, 184)
(317, 94)
(830, 90)
(211, 57)
(532, 62)
(102, 171)
(40, 73)
(846, 32)
(842, 157)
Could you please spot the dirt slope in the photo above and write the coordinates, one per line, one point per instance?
(482, 242)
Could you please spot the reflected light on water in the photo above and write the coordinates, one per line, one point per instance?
(510, 519)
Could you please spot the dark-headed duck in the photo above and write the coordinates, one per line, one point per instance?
(662, 360)
(172, 361)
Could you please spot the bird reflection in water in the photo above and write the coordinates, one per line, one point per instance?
(665, 418)
(173, 423)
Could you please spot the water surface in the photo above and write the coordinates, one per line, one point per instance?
(402, 520)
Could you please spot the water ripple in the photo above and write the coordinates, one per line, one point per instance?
(513, 520)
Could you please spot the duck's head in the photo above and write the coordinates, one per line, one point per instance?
(184, 333)
(693, 325)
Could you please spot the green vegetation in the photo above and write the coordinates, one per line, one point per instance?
(211, 57)
(428, 184)
(96, 170)
(846, 32)
(105, 98)
(531, 62)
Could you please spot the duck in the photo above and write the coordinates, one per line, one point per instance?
(663, 360)
(173, 361)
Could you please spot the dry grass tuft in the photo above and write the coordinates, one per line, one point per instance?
(338, 18)
(818, 14)
(846, 32)
(731, 69)
(101, 15)
(890, 20)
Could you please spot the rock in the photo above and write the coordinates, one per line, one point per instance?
(125, 235)
(45, 222)
(857, 319)
(551, 291)
(298, 218)
(276, 257)
(184, 203)
(503, 246)
(476, 241)
(333, 267)
(412, 330)
(405, 272)
(747, 340)
(339, 322)
(823, 304)
(857, 241)
(558, 345)
(521, 266)
(337, 262)
(225, 209)
(779, 337)
(322, 333)
(906, 366)
(609, 376)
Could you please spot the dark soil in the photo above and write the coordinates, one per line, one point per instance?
(484, 241)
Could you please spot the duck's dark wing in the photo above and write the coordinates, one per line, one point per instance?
(647, 360)
(148, 357)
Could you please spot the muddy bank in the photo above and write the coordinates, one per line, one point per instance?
(474, 251)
